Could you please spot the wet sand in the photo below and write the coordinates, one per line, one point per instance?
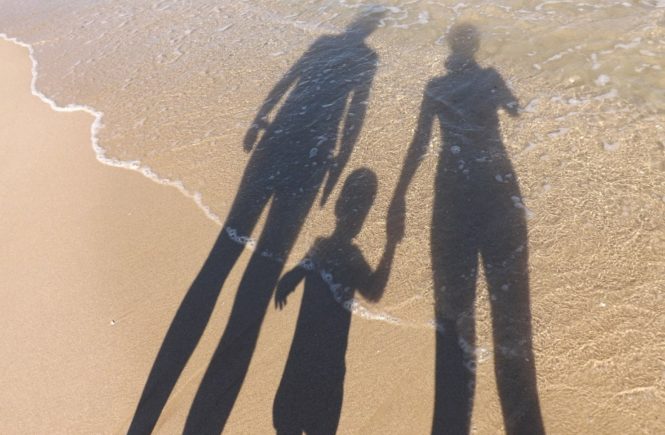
(96, 260)
(93, 261)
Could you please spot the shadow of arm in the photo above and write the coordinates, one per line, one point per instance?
(278, 91)
(288, 284)
(416, 152)
(376, 284)
(353, 122)
(507, 100)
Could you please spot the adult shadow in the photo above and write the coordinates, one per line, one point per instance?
(478, 213)
(309, 398)
(328, 86)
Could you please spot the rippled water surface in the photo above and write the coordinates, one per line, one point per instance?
(179, 83)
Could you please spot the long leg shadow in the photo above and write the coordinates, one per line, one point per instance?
(478, 215)
(328, 86)
(309, 398)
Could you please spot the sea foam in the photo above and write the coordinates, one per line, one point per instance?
(96, 126)
(354, 306)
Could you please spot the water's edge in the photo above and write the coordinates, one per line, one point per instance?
(354, 306)
(100, 152)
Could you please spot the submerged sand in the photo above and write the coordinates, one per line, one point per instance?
(95, 261)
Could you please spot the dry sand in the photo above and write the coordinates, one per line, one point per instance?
(95, 261)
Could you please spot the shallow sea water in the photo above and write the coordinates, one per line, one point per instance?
(179, 83)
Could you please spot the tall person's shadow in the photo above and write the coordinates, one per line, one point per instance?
(327, 87)
(478, 212)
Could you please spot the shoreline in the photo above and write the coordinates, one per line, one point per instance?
(99, 261)
(100, 152)
(95, 261)
(358, 308)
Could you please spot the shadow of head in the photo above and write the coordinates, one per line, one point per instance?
(366, 22)
(463, 40)
(355, 201)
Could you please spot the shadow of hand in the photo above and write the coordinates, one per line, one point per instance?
(250, 137)
(285, 287)
(281, 296)
(252, 134)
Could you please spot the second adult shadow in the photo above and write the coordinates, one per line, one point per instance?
(478, 218)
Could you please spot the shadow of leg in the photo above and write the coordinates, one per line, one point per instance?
(454, 383)
(506, 265)
(455, 265)
(184, 333)
(227, 370)
(194, 312)
(225, 374)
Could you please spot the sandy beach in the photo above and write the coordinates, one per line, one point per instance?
(87, 249)
(96, 260)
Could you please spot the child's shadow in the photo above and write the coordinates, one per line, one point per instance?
(309, 398)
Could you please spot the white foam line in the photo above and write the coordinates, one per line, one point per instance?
(100, 152)
(352, 305)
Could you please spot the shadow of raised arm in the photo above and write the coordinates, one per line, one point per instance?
(278, 91)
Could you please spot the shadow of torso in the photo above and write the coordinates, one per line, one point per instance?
(299, 143)
(474, 168)
(476, 187)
